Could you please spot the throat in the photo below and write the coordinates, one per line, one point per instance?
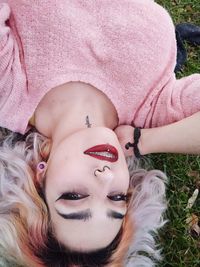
(76, 105)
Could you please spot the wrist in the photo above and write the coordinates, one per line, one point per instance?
(143, 142)
(152, 140)
(134, 145)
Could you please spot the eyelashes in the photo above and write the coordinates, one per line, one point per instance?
(77, 196)
(120, 197)
(72, 196)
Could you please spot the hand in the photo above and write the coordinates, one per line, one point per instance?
(125, 135)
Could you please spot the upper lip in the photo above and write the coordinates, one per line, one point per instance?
(105, 152)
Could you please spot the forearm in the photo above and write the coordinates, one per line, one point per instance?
(179, 137)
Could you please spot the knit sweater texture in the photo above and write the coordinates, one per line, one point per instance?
(126, 49)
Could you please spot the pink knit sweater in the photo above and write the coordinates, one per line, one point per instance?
(125, 48)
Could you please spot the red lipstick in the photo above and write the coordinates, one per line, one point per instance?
(103, 152)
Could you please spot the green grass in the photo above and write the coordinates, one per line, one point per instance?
(181, 247)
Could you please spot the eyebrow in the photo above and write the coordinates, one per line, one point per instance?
(86, 215)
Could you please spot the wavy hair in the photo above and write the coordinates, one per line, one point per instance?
(26, 238)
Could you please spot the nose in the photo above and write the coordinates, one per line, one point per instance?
(104, 174)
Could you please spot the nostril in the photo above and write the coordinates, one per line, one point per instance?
(102, 170)
(95, 172)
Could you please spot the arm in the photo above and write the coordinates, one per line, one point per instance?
(179, 137)
(12, 74)
(177, 100)
(178, 108)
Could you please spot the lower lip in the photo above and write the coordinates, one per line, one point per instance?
(103, 148)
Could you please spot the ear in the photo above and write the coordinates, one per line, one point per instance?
(45, 149)
(41, 169)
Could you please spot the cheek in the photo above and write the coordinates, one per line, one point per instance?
(124, 178)
(67, 178)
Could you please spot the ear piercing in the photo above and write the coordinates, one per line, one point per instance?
(41, 166)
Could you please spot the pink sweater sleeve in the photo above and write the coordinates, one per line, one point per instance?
(12, 75)
(178, 99)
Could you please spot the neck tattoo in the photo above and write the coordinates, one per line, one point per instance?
(88, 122)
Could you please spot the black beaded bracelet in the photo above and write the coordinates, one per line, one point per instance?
(137, 134)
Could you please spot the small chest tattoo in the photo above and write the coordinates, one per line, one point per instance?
(88, 122)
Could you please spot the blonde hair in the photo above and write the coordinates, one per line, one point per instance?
(24, 218)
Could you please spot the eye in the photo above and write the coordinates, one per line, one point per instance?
(119, 197)
(72, 196)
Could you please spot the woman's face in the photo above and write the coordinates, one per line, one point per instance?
(85, 189)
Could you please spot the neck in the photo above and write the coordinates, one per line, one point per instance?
(72, 107)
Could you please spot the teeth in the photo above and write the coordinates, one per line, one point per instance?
(104, 154)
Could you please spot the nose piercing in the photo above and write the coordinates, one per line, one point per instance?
(105, 167)
(98, 170)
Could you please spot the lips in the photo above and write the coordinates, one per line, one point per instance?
(103, 152)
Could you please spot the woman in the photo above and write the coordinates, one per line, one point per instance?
(66, 65)
(32, 234)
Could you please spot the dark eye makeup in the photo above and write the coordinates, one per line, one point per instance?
(72, 196)
(78, 196)
(118, 197)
